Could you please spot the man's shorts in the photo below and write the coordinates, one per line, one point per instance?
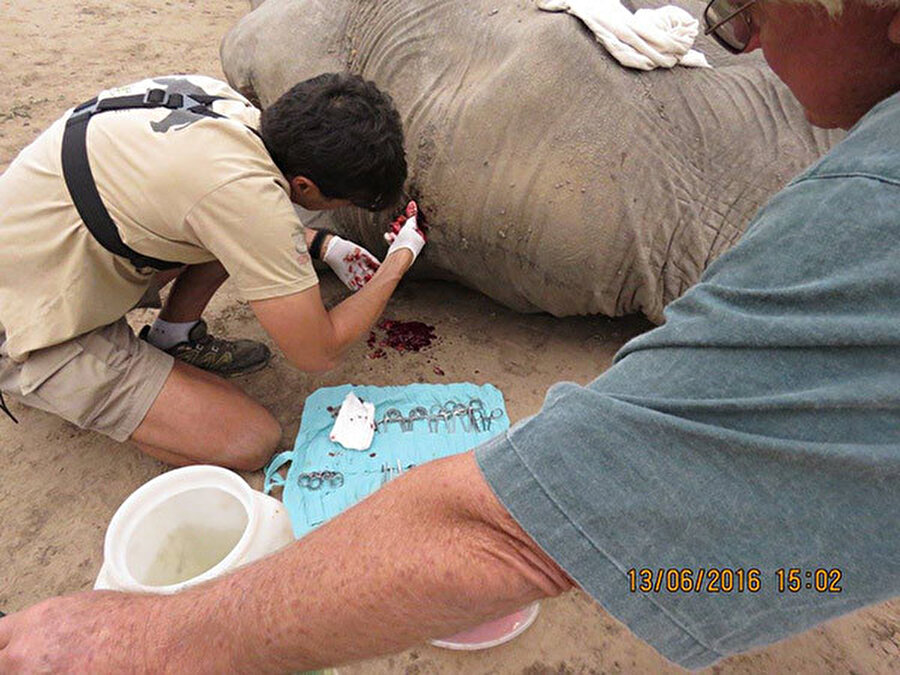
(105, 380)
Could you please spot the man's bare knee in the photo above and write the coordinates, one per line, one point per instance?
(255, 442)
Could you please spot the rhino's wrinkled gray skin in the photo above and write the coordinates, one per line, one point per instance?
(553, 179)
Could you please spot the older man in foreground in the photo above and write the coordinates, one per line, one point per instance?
(752, 445)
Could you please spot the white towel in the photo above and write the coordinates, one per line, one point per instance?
(647, 39)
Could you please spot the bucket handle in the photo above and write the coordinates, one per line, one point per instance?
(273, 478)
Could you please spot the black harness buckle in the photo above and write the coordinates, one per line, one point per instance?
(154, 98)
(160, 98)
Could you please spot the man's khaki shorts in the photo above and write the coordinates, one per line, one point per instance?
(105, 380)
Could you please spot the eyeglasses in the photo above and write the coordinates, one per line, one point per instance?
(373, 205)
(727, 23)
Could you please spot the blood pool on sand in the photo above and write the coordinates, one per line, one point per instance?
(401, 336)
(407, 336)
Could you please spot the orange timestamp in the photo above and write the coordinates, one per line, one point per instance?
(820, 580)
(731, 580)
(690, 580)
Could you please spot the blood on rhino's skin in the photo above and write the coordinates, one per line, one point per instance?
(554, 179)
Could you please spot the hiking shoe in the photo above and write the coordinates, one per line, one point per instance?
(227, 358)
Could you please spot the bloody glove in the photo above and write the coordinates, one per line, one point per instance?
(406, 233)
(352, 264)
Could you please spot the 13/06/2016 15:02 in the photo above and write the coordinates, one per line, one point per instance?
(732, 580)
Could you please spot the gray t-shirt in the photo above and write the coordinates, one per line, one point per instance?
(755, 436)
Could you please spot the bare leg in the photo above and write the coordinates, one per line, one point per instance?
(193, 288)
(163, 277)
(199, 418)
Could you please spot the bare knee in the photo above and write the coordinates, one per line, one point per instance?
(253, 443)
(201, 419)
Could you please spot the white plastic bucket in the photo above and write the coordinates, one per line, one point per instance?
(187, 526)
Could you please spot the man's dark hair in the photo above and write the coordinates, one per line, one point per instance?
(342, 133)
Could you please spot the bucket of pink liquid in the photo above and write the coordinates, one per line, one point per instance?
(492, 633)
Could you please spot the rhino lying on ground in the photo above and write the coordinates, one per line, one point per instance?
(553, 179)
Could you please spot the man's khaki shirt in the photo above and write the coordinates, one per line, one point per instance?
(180, 187)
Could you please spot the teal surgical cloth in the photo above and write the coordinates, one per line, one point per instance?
(365, 471)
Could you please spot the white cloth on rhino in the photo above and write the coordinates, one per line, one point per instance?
(647, 39)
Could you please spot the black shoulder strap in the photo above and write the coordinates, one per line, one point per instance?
(80, 180)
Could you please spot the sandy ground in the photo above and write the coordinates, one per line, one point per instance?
(61, 485)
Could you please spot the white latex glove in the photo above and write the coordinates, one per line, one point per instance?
(647, 39)
(406, 233)
(352, 264)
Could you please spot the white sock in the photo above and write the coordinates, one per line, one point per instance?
(166, 334)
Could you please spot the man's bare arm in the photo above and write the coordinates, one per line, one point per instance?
(428, 555)
(315, 339)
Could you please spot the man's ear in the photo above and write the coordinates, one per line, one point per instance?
(304, 191)
(894, 29)
(302, 186)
